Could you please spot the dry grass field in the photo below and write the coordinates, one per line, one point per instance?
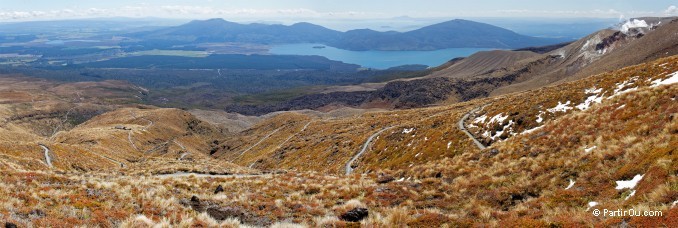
(553, 156)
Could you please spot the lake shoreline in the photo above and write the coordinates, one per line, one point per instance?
(376, 59)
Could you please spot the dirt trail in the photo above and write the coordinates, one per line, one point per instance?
(129, 133)
(48, 159)
(183, 156)
(349, 169)
(463, 128)
(293, 135)
(179, 144)
(183, 148)
(259, 142)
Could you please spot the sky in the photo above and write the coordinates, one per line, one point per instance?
(29, 10)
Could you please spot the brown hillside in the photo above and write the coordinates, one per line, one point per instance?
(421, 172)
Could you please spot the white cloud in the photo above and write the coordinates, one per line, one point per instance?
(178, 11)
(672, 10)
(201, 12)
(609, 13)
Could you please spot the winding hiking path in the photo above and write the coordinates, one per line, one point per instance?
(463, 128)
(259, 142)
(122, 165)
(58, 128)
(129, 133)
(48, 159)
(150, 123)
(179, 144)
(292, 136)
(349, 169)
(286, 140)
(129, 138)
(157, 147)
(183, 148)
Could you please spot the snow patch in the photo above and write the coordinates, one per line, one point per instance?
(629, 183)
(498, 118)
(561, 107)
(499, 133)
(570, 185)
(417, 155)
(539, 118)
(448, 145)
(531, 130)
(673, 78)
(592, 204)
(486, 134)
(593, 90)
(624, 87)
(589, 149)
(480, 119)
(407, 131)
(589, 101)
(631, 24)
(629, 196)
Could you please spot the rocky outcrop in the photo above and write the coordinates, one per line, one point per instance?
(355, 215)
(221, 213)
(312, 101)
(398, 94)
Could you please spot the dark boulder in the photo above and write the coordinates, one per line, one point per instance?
(196, 204)
(355, 215)
(10, 225)
(195, 199)
(384, 178)
(219, 189)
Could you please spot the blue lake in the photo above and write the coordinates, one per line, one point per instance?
(376, 59)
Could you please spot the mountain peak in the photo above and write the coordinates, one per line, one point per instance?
(461, 22)
(211, 22)
(216, 19)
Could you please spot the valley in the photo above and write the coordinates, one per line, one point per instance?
(406, 154)
(192, 126)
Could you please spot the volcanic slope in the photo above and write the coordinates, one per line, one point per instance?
(555, 154)
(416, 136)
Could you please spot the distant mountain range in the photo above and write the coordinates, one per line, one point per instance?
(450, 34)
